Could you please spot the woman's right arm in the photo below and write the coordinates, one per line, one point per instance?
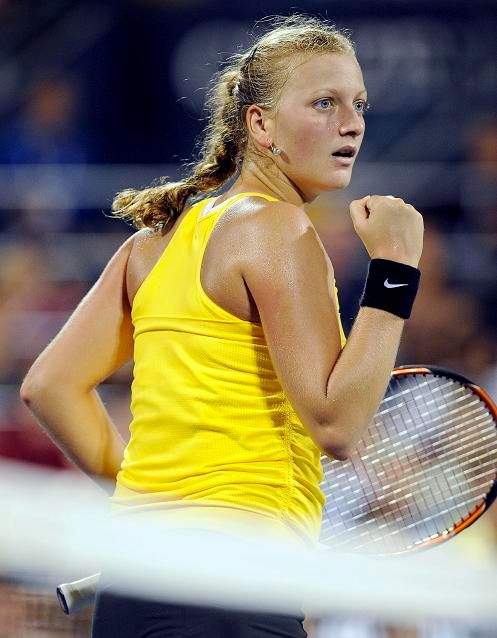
(334, 392)
(60, 387)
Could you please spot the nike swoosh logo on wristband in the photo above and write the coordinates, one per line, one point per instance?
(387, 284)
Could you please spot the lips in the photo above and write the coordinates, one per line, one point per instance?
(344, 156)
(345, 151)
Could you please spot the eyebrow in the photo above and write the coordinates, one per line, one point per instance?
(328, 90)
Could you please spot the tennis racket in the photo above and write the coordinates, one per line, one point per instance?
(425, 469)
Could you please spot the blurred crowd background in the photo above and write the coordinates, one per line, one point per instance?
(98, 96)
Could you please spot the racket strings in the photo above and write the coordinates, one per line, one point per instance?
(363, 540)
(394, 395)
(450, 451)
(422, 431)
(473, 404)
(406, 485)
(384, 509)
(433, 493)
(397, 521)
(378, 424)
(370, 443)
(427, 501)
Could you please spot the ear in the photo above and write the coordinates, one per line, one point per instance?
(259, 126)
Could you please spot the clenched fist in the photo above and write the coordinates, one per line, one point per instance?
(389, 228)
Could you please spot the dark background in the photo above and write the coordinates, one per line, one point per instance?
(100, 96)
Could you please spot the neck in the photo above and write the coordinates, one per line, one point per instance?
(267, 179)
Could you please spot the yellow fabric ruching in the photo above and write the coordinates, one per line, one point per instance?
(213, 436)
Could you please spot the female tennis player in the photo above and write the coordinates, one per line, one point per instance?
(227, 304)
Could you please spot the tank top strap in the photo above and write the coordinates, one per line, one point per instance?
(206, 211)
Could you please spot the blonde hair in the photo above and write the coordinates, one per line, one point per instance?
(255, 77)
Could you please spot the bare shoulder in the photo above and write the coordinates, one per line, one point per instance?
(277, 216)
(275, 228)
(143, 239)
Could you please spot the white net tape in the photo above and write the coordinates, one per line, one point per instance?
(56, 526)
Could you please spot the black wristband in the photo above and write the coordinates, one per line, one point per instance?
(391, 286)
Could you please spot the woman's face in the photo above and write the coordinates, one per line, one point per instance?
(320, 112)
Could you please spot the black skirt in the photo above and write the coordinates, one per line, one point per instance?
(119, 616)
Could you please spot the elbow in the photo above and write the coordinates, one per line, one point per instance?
(338, 453)
(28, 390)
(337, 447)
(25, 394)
(33, 387)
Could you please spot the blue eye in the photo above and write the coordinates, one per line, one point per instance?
(361, 107)
(324, 103)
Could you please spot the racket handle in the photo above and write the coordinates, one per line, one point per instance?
(77, 594)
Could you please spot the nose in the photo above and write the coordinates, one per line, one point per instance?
(351, 122)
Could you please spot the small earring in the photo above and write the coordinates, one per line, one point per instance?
(275, 150)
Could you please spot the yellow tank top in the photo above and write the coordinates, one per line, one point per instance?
(212, 429)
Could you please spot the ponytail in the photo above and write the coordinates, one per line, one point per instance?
(159, 206)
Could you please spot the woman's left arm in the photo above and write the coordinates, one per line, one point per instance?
(59, 388)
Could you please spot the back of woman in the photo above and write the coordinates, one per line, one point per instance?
(211, 422)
